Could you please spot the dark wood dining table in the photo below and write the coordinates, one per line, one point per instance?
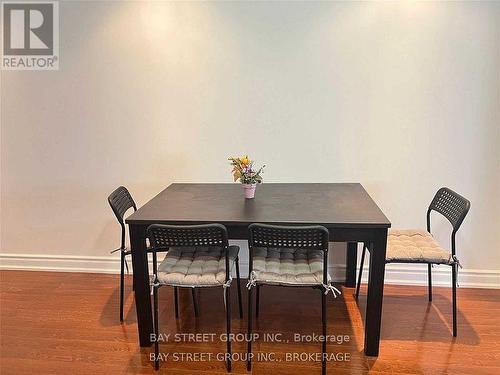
(345, 209)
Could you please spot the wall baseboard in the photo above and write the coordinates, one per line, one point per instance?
(402, 274)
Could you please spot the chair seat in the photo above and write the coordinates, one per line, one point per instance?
(288, 267)
(196, 267)
(415, 246)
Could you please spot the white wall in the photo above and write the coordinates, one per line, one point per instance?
(403, 97)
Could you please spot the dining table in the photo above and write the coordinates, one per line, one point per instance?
(345, 209)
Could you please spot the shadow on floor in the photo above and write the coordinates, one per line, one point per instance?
(412, 317)
(110, 314)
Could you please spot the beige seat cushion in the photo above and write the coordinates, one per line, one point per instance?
(288, 266)
(415, 246)
(196, 267)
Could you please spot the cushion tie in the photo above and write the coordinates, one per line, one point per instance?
(154, 283)
(252, 280)
(456, 263)
(330, 288)
(126, 264)
(123, 250)
(227, 284)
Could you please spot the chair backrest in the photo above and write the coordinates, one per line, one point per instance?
(313, 237)
(120, 201)
(162, 237)
(451, 205)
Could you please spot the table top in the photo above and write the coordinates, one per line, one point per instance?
(331, 204)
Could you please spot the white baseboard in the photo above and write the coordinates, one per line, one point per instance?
(402, 274)
(416, 274)
(60, 263)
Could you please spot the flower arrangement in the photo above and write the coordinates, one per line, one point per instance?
(243, 170)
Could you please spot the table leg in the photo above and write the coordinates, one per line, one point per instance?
(375, 293)
(141, 282)
(351, 259)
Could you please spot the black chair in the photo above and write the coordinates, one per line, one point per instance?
(121, 201)
(418, 246)
(199, 257)
(292, 256)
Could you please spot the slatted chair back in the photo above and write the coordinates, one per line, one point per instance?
(121, 201)
(293, 237)
(452, 206)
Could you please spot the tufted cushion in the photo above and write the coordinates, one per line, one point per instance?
(415, 246)
(200, 266)
(288, 266)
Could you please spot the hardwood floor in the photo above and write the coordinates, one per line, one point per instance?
(67, 323)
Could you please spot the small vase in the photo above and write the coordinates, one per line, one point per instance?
(249, 190)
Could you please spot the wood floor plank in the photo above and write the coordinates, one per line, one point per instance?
(59, 323)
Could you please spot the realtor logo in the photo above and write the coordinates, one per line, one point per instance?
(30, 35)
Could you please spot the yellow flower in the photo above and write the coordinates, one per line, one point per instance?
(244, 160)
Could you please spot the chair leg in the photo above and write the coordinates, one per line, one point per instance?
(195, 302)
(358, 285)
(176, 302)
(257, 302)
(429, 274)
(454, 298)
(240, 303)
(250, 337)
(228, 326)
(323, 345)
(122, 261)
(155, 323)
